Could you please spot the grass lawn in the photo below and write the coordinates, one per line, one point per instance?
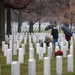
(6, 69)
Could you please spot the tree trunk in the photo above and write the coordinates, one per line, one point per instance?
(39, 25)
(19, 22)
(8, 20)
(2, 21)
(31, 27)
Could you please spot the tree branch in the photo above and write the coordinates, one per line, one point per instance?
(35, 21)
(18, 8)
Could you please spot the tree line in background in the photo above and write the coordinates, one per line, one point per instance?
(53, 11)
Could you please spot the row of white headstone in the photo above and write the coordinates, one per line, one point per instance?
(8, 53)
(47, 68)
(15, 66)
(10, 48)
(41, 37)
(40, 51)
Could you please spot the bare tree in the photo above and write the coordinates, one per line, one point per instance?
(2, 21)
(8, 16)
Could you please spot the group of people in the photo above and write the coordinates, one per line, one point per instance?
(55, 33)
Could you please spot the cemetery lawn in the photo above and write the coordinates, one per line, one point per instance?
(6, 69)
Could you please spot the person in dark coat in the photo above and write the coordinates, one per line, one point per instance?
(55, 35)
(68, 38)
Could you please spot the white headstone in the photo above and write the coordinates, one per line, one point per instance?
(56, 43)
(74, 37)
(15, 68)
(11, 44)
(49, 53)
(6, 38)
(59, 65)
(62, 46)
(37, 48)
(18, 44)
(3, 45)
(40, 53)
(44, 47)
(9, 56)
(19, 40)
(67, 45)
(46, 66)
(5, 50)
(29, 38)
(10, 37)
(70, 63)
(30, 45)
(72, 40)
(21, 55)
(14, 39)
(64, 51)
(50, 44)
(15, 49)
(31, 53)
(71, 50)
(31, 67)
(23, 46)
(56, 48)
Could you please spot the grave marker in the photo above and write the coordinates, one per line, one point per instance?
(64, 52)
(3, 45)
(70, 63)
(21, 55)
(15, 49)
(23, 46)
(71, 50)
(5, 50)
(49, 53)
(11, 44)
(44, 47)
(31, 67)
(46, 66)
(66, 44)
(37, 48)
(30, 45)
(59, 65)
(15, 68)
(56, 48)
(40, 53)
(9, 56)
(31, 53)
(50, 45)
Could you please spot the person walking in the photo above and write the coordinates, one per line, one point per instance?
(55, 35)
(68, 38)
